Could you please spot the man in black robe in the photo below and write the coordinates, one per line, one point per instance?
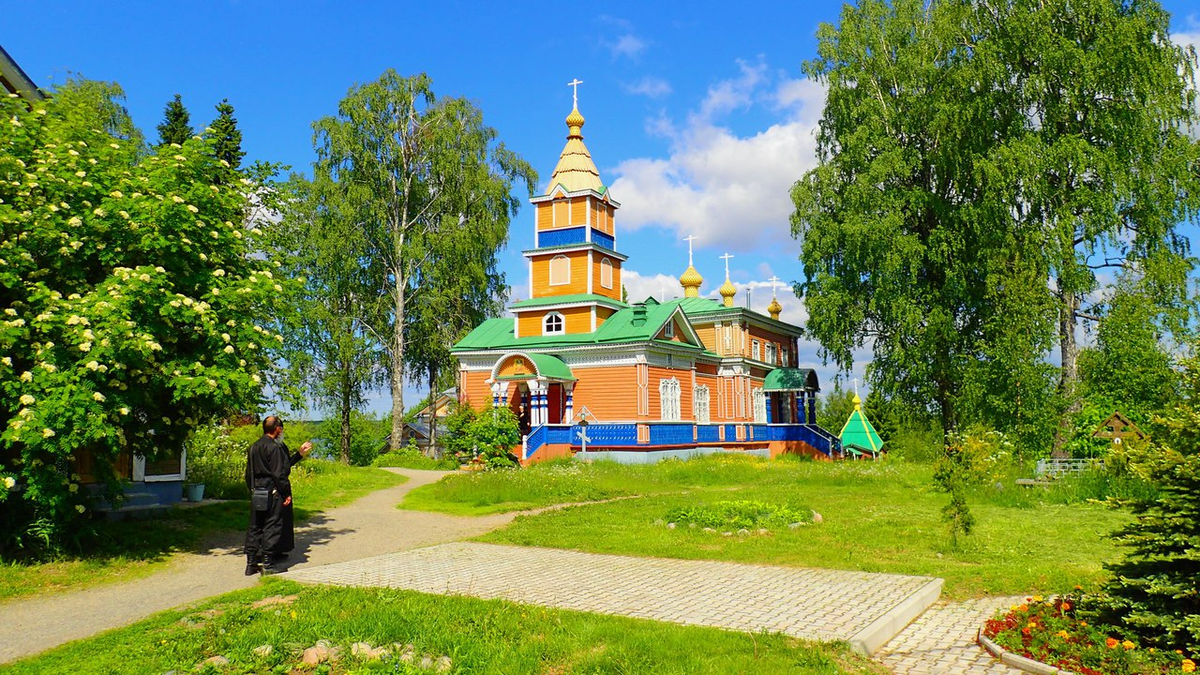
(268, 464)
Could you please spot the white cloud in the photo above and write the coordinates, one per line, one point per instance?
(659, 286)
(651, 87)
(628, 46)
(727, 189)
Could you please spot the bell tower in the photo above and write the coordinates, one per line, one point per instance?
(574, 267)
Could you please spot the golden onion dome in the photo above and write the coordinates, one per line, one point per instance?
(857, 402)
(728, 291)
(691, 280)
(574, 123)
(774, 308)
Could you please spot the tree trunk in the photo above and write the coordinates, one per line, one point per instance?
(433, 451)
(1069, 371)
(398, 366)
(345, 414)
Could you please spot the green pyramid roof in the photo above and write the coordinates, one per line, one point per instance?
(858, 432)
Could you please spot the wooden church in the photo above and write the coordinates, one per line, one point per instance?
(583, 370)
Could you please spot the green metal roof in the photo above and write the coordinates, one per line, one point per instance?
(612, 253)
(791, 379)
(702, 306)
(859, 433)
(640, 323)
(568, 299)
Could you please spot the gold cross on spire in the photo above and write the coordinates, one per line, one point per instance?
(574, 85)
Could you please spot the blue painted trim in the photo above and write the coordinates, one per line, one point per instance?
(605, 240)
(571, 235)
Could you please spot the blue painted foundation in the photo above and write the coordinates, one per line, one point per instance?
(655, 456)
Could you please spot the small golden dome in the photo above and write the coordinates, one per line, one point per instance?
(574, 123)
(691, 280)
(774, 308)
(728, 291)
(857, 402)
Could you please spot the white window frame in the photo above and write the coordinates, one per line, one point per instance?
(701, 408)
(772, 353)
(562, 324)
(760, 405)
(564, 276)
(668, 397)
(606, 273)
(669, 330)
(756, 350)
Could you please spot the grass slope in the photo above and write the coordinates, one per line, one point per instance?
(878, 517)
(482, 637)
(129, 550)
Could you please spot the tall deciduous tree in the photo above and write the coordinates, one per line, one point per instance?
(176, 126)
(227, 137)
(421, 173)
(334, 357)
(1101, 166)
(895, 244)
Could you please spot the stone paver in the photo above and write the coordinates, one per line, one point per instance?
(942, 641)
(809, 603)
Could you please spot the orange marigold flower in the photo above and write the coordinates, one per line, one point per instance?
(1083, 623)
(1063, 634)
(1128, 645)
(1189, 666)
(1066, 606)
(1112, 643)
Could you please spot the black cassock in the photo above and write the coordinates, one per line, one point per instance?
(268, 465)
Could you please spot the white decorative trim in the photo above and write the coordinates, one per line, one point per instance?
(568, 248)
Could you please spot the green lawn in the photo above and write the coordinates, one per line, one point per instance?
(877, 517)
(128, 550)
(480, 637)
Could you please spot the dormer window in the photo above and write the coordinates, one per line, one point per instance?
(669, 331)
(553, 324)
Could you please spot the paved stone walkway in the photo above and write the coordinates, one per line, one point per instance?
(942, 641)
(809, 603)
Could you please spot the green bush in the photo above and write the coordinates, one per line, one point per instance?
(740, 514)
(410, 457)
(218, 459)
(366, 438)
(490, 436)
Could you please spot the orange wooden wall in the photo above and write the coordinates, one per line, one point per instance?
(578, 320)
(615, 291)
(541, 275)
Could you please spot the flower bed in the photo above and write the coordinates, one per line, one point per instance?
(1049, 631)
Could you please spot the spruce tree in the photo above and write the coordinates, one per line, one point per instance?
(176, 126)
(228, 136)
(1155, 591)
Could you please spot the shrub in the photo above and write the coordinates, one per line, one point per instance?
(495, 433)
(366, 438)
(131, 301)
(218, 460)
(740, 514)
(970, 459)
(411, 457)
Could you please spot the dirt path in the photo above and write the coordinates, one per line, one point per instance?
(368, 527)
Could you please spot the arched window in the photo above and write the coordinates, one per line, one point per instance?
(606, 273)
(560, 270)
(668, 396)
(553, 324)
(700, 404)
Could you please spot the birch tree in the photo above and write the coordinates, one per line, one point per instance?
(418, 171)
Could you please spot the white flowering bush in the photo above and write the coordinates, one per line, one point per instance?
(131, 304)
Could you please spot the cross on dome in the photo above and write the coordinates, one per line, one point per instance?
(574, 85)
(726, 258)
(774, 282)
(689, 239)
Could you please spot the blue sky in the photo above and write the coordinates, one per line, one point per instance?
(698, 116)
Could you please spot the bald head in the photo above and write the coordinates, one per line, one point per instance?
(271, 425)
